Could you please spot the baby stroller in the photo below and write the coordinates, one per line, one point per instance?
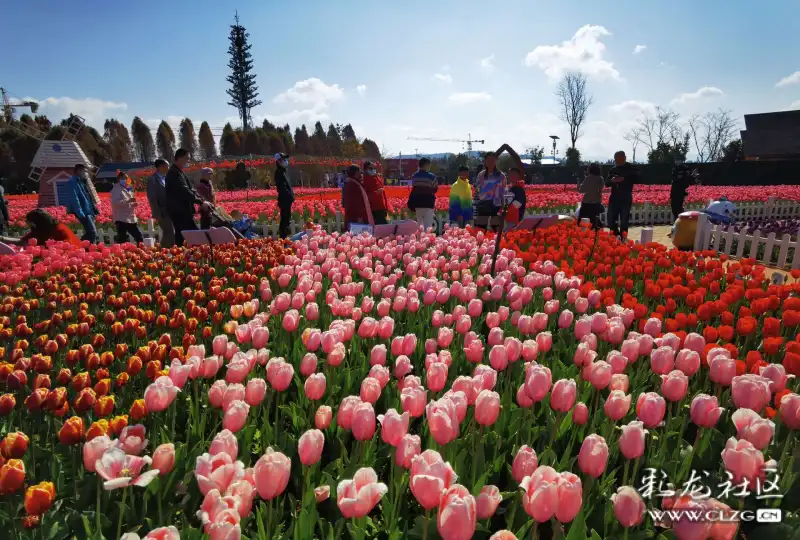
(242, 228)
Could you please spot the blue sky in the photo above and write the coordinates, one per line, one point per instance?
(435, 68)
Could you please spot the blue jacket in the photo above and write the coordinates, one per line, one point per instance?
(78, 201)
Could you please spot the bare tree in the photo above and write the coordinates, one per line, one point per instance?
(660, 126)
(711, 132)
(574, 101)
(634, 137)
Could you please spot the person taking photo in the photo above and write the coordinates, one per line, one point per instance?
(621, 179)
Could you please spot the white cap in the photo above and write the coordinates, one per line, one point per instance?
(279, 156)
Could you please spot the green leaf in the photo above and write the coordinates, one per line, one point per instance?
(577, 531)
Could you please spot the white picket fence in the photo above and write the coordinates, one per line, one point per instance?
(782, 253)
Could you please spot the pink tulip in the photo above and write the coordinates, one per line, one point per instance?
(650, 408)
(402, 366)
(523, 400)
(645, 344)
(562, 397)
(487, 407)
(357, 497)
(617, 405)
(565, 319)
(132, 439)
(674, 385)
(583, 355)
(429, 477)
(744, 461)
(487, 501)
(524, 464)
(370, 390)
(164, 458)
(544, 341)
(752, 427)
(632, 440)
(599, 323)
(598, 374)
(217, 472)
(652, 327)
(688, 361)
(538, 380)
(368, 328)
(312, 311)
(457, 514)
(409, 446)
(94, 449)
(224, 443)
(414, 400)
(504, 534)
(291, 320)
(260, 337)
(322, 493)
(380, 374)
(385, 328)
(219, 344)
(474, 308)
(323, 417)
(442, 420)
(159, 395)
(394, 426)
(583, 327)
(463, 324)
(363, 421)
(540, 496)
(776, 375)
(233, 392)
(436, 377)
(271, 474)
(308, 365)
(210, 366)
(593, 456)
(580, 414)
(683, 527)
(570, 496)
(721, 369)
(619, 381)
(255, 391)
(485, 377)
(281, 376)
(705, 411)
(629, 508)
(310, 446)
(179, 373)
(161, 533)
(662, 360)
(336, 356)
(751, 392)
(120, 470)
(530, 350)
(377, 355)
(467, 386)
(617, 361)
(789, 408)
(235, 416)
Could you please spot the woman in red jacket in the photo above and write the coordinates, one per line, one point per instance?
(373, 184)
(355, 198)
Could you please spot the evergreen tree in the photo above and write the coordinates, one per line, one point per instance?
(319, 143)
(302, 143)
(348, 133)
(118, 139)
(371, 149)
(165, 141)
(268, 126)
(334, 141)
(143, 140)
(208, 148)
(275, 143)
(229, 142)
(251, 144)
(188, 139)
(243, 91)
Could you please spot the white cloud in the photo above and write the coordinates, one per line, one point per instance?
(465, 98)
(633, 107)
(795, 105)
(294, 118)
(361, 89)
(94, 111)
(172, 120)
(444, 77)
(582, 53)
(704, 92)
(312, 92)
(488, 63)
(794, 78)
(639, 48)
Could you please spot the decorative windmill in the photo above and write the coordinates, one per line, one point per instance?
(54, 160)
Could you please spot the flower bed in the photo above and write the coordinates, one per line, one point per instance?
(363, 389)
(321, 203)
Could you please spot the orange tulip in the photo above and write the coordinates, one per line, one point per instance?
(118, 423)
(39, 498)
(12, 476)
(14, 445)
(36, 400)
(7, 404)
(85, 400)
(138, 409)
(31, 522)
(97, 429)
(104, 406)
(72, 431)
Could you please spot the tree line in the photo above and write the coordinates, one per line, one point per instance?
(118, 143)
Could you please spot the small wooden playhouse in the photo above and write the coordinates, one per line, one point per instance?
(56, 161)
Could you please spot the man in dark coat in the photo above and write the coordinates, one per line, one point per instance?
(181, 196)
(285, 192)
(682, 178)
(622, 177)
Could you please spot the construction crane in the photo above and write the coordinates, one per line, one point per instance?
(9, 105)
(468, 141)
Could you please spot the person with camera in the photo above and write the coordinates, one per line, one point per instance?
(682, 179)
(621, 179)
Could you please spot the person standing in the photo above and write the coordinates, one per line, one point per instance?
(157, 198)
(285, 192)
(461, 198)
(79, 202)
(490, 186)
(206, 190)
(622, 177)
(592, 188)
(4, 219)
(373, 185)
(181, 196)
(422, 199)
(682, 179)
(123, 210)
(355, 198)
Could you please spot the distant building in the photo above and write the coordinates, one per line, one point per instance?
(400, 168)
(107, 173)
(56, 160)
(771, 136)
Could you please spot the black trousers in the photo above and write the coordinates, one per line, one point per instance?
(619, 215)
(286, 218)
(128, 229)
(676, 202)
(380, 217)
(182, 222)
(591, 211)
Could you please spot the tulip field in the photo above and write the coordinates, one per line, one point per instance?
(347, 387)
(321, 203)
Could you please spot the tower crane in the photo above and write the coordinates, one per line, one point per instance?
(9, 105)
(469, 140)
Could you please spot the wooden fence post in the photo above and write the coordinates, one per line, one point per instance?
(699, 236)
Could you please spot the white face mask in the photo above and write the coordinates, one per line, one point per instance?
(283, 163)
(371, 172)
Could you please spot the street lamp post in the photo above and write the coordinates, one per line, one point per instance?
(555, 139)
